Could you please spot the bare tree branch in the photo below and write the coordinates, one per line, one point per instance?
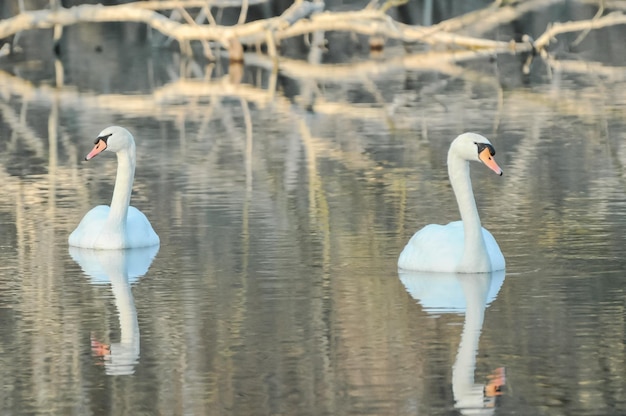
(173, 4)
(489, 18)
(249, 32)
(303, 18)
(611, 19)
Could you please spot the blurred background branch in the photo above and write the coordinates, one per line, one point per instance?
(304, 18)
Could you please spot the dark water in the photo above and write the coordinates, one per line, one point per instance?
(275, 289)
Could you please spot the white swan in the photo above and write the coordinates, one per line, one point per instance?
(119, 226)
(461, 246)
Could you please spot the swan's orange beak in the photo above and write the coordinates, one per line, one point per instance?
(98, 148)
(487, 159)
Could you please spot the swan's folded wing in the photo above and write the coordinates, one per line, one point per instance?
(495, 254)
(139, 231)
(436, 248)
(89, 227)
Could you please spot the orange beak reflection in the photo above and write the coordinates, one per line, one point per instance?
(489, 161)
(98, 148)
(99, 349)
(497, 381)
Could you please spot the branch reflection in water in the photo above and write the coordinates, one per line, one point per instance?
(468, 294)
(121, 268)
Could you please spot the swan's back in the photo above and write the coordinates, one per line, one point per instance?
(86, 233)
(92, 231)
(139, 231)
(439, 248)
(495, 254)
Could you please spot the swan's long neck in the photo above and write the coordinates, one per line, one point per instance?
(475, 257)
(123, 189)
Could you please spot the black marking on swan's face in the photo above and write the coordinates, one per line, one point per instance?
(103, 138)
(483, 146)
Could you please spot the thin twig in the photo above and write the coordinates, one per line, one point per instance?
(244, 12)
(584, 34)
(173, 4)
(611, 19)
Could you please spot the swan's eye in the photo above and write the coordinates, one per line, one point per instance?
(103, 138)
(483, 146)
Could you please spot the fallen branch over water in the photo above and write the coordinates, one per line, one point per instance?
(304, 18)
(252, 32)
(611, 19)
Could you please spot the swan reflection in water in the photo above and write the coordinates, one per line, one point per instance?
(121, 268)
(468, 294)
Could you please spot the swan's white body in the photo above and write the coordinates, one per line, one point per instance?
(461, 246)
(119, 226)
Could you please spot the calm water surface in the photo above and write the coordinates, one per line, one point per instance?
(275, 289)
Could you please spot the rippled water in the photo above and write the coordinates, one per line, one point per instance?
(275, 289)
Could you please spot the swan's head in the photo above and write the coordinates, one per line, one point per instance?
(112, 139)
(472, 146)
